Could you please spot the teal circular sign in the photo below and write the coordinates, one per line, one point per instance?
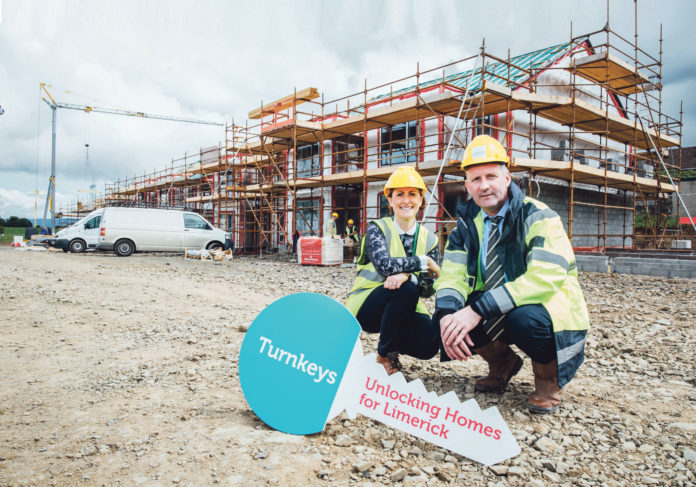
(293, 358)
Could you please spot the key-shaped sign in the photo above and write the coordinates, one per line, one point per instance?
(301, 364)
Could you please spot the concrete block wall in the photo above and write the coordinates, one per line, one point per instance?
(687, 190)
(592, 263)
(637, 265)
(585, 218)
(655, 267)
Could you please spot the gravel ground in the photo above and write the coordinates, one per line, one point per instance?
(123, 371)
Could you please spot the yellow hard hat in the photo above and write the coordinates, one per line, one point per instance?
(484, 149)
(404, 177)
(334, 214)
(350, 222)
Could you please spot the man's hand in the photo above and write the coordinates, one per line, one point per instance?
(454, 330)
(433, 268)
(395, 281)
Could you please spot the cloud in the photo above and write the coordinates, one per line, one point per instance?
(15, 203)
(217, 60)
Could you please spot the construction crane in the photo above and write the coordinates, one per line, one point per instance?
(89, 175)
(54, 105)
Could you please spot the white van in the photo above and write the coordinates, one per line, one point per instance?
(81, 235)
(128, 230)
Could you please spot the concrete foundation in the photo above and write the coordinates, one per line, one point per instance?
(649, 266)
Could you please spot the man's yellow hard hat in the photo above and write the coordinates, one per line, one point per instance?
(350, 222)
(484, 149)
(334, 214)
(404, 177)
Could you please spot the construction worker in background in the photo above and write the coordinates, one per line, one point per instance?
(352, 232)
(295, 238)
(397, 264)
(509, 277)
(330, 230)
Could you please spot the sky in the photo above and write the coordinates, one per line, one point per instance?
(216, 61)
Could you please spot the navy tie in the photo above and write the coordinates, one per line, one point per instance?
(495, 276)
(494, 268)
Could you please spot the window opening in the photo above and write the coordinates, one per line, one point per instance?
(399, 144)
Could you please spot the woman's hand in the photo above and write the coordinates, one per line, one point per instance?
(433, 268)
(395, 281)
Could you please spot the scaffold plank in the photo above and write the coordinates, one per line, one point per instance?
(605, 68)
(284, 103)
(557, 169)
(589, 175)
(589, 118)
(288, 128)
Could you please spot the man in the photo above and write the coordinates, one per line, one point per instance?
(352, 232)
(330, 230)
(509, 277)
(295, 238)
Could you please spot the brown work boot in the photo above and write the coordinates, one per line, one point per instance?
(503, 364)
(390, 363)
(547, 395)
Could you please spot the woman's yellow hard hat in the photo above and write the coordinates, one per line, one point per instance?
(404, 177)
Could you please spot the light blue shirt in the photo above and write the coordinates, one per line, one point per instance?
(486, 232)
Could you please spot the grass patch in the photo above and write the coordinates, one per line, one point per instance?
(10, 232)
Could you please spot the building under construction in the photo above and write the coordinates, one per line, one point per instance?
(582, 122)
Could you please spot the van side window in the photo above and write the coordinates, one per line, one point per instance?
(93, 223)
(195, 221)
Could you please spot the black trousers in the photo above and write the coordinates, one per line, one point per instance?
(529, 327)
(392, 314)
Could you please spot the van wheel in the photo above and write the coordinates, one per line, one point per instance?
(214, 246)
(77, 246)
(124, 248)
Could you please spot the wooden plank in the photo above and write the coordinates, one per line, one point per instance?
(445, 103)
(605, 68)
(206, 198)
(256, 148)
(428, 168)
(589, 175)
(587, 117)
(494, 99)
(284, 103)
(288, 128)
(555, 169)
(246, 160)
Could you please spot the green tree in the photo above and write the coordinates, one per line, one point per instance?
(15, 221)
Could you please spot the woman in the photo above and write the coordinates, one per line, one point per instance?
(395, 254)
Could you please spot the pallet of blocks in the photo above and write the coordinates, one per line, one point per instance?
(320, 251)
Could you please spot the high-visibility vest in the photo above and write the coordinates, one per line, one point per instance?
(350, 229)
(330, 230)
(368, 279)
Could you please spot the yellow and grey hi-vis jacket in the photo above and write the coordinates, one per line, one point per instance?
(539, 265)
(368, 279)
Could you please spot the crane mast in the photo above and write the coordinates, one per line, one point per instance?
(54, 105)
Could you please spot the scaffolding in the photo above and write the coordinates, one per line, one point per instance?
(582, 122)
